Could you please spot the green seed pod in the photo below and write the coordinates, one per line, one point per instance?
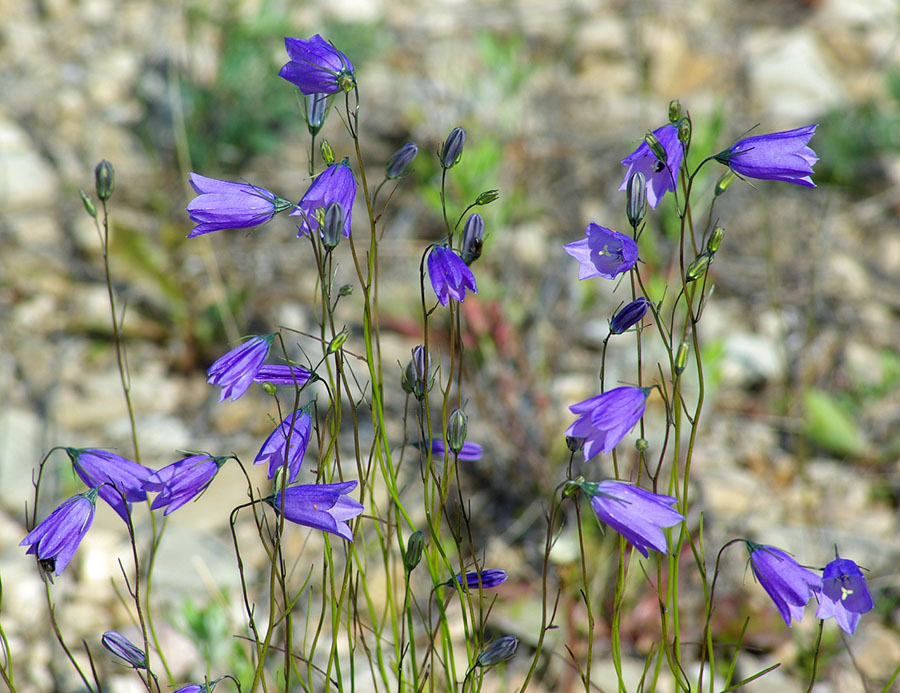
(684, 131)
(715, 239)
(487, 197)
(656, 147)
(346, 289)
(104, 180)
(88, 204)
(457, 427)
(338, 340)
(415, 545)
(674, 111)
(724, 181)
(327, 152)
(641, 444)
(681, 358)
(698, 267)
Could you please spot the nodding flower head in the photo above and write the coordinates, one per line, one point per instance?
(317, 67)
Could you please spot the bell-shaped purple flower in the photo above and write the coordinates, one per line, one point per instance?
(789, 584)
(124, 649)
(629, 316)
(450, 276)
(98, 467)
(283, 375)
(782, 156)
(660, 177)
(182, 481)
(335, 184)
(603, 252)
(844, 594)
(235, 371)
(56, 538)
(223, 205)
(317, 67)
(320, 506)
(290, 437)
(636, 514)
(492, 577)
(605, 419)
(470, 451)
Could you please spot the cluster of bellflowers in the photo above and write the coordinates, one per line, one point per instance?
(639, 515)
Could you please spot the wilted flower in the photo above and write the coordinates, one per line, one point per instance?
(605, 419)
(283, 375)
(636, 514)
(223, 205)
(470, 452)
(844, 594)
(603, 253)
(95, 467)
(56, 538)
(789, 584)
(450, 276)
(297, 426)
(492, 577)
(400, 160)
(182, 481)
(629, 316)
(660, 176)
(124, 649)
(498, 651)
(234, 372)
(317, 67)
(320, 506)
(335, 184)
(782, 156)
(452, 150)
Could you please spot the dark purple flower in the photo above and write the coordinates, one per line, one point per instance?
(182, 481)
(199, 687)
(400, 160)
(335, 184)
(317, 67)
(450, 276)
(224, 205)
(782, 156)
(605, 419)
(844, 594)
(283, 375)
(297, 427)
(56, 538)
(97, 467)
(789, 584)
(320, 506)
(492, 577)
(660, 177)
(124, 649)
(629, 316)
(603, 253)
(636, 514)
(234, 372)
(470, 451)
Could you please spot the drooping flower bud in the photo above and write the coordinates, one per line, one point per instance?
(338, 340)
(715, 239)
(472, 238)
(681, 357)
(124, 649)
(498, 651)
(656, 147)
(487, 197)
(104, 180)
(724, 181)
(315, 109)
(457, 427)
(327, 152)
(674, 111)
(400, 161)
(414, 547)
(415, 380)
(629, 316)
(333, 225)
(636, 196)
(698, 267)
(452, 150)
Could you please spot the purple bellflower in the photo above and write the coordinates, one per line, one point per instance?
(124, 649)
(492, 577)
(199, 687)
(782, 156)
(605, 419)
(470, 452)
(224, 205)
(235, 371)
(844, 594)
(283, 375)
(603, 253)
(335, 184)
(321, 506)
(317, 67)
(629, 316)
(636, 514)
(56, 538)
(182, 481)
(297, 427)
(660, 176)
(98, 467)
(450, 276)
(789, 584)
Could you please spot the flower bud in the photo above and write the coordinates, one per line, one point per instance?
(400, 161)
(656, 147)
(472, 238)
(338, 340)
(346, 81)
(698, 267)
(104, 180)
(636, 197)
(457, 427)
(674, 111)
(715, 239)
(724, 181)
(88, 204)
(498, 651)
(452, 150)
(327, 152)
(414, 547)
(574, 444)
(415, 379)
(681, 357)
(629, 316)
(269, 388)
(345, 290)
(124, 649)
(333, 225)
(641, 444)
(315, 110)
(684, 131)
(487, 197)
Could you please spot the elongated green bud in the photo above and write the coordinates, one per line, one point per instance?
(487, 197)
(724, 181)
(674, 111)
(415, 545)
(681, 357)
(715, 239)
(88, 204)
(684, 131)
(104, 180)
(457, 428)
(698, 267)
(327, 152)
(338, 340)
(656, 147)
(636, 198)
